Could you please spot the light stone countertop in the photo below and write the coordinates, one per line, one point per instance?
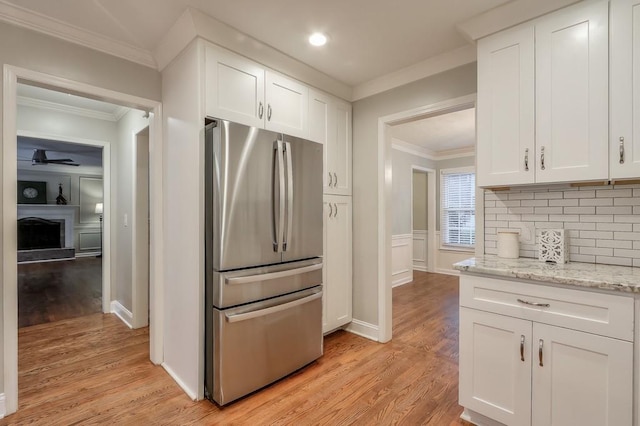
(589, 275)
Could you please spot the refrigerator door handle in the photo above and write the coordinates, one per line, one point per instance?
(272, 275)
(278, 225)
(287, 237)
(271, 310)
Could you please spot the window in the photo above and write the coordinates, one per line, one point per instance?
(458, 208)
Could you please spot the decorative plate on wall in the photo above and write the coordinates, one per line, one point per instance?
(31, 192)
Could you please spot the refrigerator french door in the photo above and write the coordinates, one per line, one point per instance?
(263, 248)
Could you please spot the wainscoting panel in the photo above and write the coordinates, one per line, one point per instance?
(89, 240)
(420, 250)
(401, 259)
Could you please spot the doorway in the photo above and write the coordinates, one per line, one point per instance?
(423, 218)
(12, 76)
(386, 145)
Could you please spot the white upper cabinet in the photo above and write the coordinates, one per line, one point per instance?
(319, 104)
(505, 128)
(572, 90)
(543, 92)
(287, 105)
(625, 89)
(245, 92)
(234, 88)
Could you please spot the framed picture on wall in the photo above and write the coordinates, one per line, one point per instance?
(32, 192)
(90, 195)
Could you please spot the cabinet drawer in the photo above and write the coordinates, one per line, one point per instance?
(603, 314)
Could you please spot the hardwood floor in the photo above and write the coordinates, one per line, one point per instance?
(95, 370)
(54, 291)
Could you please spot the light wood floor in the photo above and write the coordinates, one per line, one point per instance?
(94, 370)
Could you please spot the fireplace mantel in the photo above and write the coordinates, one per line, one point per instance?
(53, 211)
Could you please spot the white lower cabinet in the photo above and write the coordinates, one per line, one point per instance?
(337, 262)
(517, 371)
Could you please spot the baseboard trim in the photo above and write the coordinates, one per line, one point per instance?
(364, 329)
(88, 254)
(403, 281)
(178, 380)
(447, 271)
(123, 313)
(3, 406)
(420, 268)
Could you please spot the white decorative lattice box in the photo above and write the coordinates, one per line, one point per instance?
(553, 246)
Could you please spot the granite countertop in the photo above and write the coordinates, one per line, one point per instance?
(590, 275)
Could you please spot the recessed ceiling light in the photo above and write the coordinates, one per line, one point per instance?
(318, 39)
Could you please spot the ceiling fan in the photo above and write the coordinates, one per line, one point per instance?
(40, 157)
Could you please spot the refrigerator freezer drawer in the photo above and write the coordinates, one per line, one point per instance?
(250, 285)
(255, 345)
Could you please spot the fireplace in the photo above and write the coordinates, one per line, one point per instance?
(36, 233)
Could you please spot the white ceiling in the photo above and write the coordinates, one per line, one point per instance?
(367, 38)
(441, 133)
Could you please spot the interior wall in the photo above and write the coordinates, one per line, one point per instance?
(450, 84)
(121, 230)
(38, 52)
(420, 199)
(401, 188)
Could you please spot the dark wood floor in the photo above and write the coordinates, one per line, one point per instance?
(54, 291)
(95, 370)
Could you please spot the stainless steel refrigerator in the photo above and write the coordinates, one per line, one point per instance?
(263, 248)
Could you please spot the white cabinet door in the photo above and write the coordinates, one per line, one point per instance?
(495, 366)
(338, 150)
(287, 105)
(580, 378)
(337, 261)
(319, 104)
(624, 143)
(505, 110)
(572, 87)
(234, 88)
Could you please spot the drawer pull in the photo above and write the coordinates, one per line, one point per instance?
(522, 347)
(539, 305)
(541, 344)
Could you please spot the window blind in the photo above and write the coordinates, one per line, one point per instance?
(457, 208)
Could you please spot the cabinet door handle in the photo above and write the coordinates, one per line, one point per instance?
(540, 345)
(526, 160)
(260, 110)
(335, 179)
(621, 149)
(330, 180)
(269, 112)
(522, 347)
(335, 206)
(330, 210)
(539, 305)
(542, 158)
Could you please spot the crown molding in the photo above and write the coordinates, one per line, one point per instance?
(419, 151)
(507, 15)
(194, 24)
(31, 20)
(434, 65)
(83, 112)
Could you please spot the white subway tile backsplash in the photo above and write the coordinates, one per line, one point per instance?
(564, 203)
(614, 244)
(602, 223)
(534, 203)
(580, 210)
(614, 210)
(622, 261)
(613, 192)
(548, 210)
(621, 227)
(608, 235)
(596, 202)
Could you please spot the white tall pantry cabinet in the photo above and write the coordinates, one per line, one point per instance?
(330, 124)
